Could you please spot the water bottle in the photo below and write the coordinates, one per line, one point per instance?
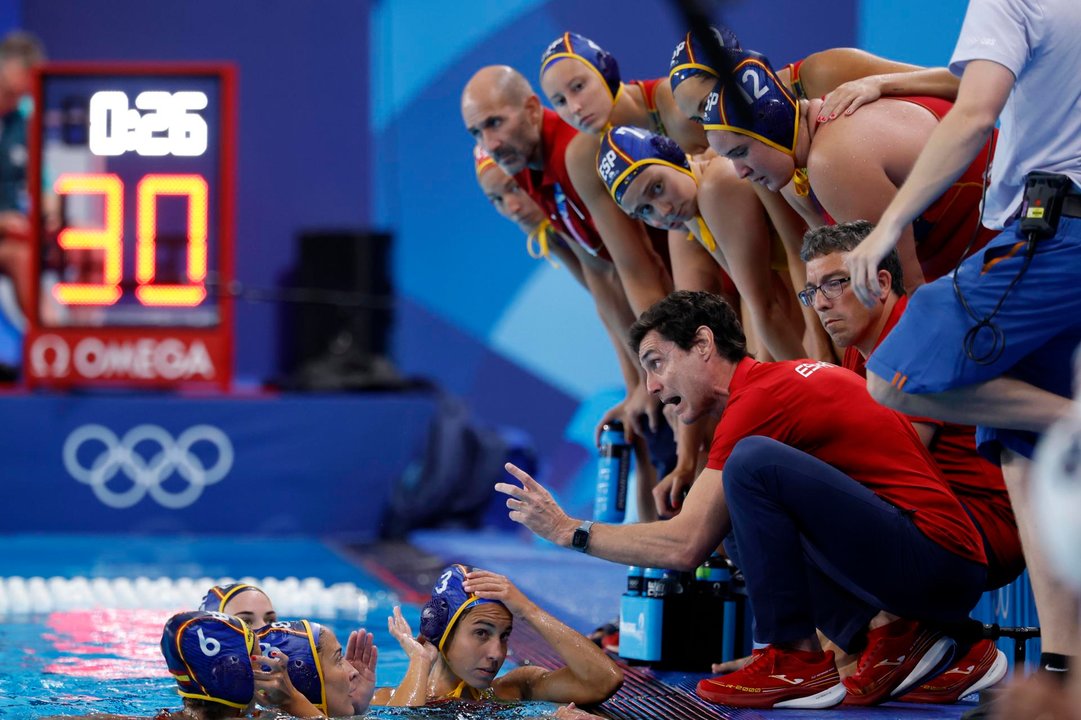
(713, 577)
(613, 471)
(641, 616)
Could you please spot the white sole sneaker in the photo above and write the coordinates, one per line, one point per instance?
(993, 675)
(933, 662)
(827, 698)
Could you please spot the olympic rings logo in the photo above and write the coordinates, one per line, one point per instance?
(147, 472)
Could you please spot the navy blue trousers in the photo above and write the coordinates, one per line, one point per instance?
(819, 550)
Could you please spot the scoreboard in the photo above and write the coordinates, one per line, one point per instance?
(131, 186)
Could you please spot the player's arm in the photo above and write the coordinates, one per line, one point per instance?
(850, 78)
(641, 270)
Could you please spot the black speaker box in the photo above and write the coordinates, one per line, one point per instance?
(343, 298)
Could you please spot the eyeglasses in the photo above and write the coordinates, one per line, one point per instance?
(831, 289)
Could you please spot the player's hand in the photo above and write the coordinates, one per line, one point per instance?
(630, 411)
(849, 97)
(362, 654)
(570, 712)
(669, 493)
(493, 586)
(412, 646)
(862, 263)
(273, 688)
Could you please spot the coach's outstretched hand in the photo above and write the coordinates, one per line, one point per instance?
(533, 506)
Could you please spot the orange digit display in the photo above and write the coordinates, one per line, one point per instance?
(149, 189)
(109, 239)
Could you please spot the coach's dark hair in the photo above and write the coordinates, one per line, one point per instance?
(844, 237)
(678, 317)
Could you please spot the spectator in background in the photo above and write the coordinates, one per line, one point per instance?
(20, 52)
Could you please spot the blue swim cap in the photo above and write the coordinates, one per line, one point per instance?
(573, 45)
(752, 101)
(299, 640)
(627, 151)
(209, 655)
(692, 58)
(448, 602)
(218, 596)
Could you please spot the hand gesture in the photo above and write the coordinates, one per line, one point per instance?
(848, 98)
(362, 654)
(413, 647)
(531, 505)
(492, 586)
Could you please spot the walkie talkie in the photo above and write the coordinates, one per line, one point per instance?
(1042, 205)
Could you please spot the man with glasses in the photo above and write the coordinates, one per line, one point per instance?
(976, 482)
(835, 513)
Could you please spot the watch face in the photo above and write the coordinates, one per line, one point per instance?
(580, 539)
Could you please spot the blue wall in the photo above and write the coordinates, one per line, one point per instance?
(303, 141)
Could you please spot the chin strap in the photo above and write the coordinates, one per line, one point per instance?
(536, 243)
(703, 235)
(802, 182)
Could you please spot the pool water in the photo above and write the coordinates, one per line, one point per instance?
(78, 661)
(93, 644)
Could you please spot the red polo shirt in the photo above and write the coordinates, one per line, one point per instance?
(825, 411)
(977, 482)
(551, 187)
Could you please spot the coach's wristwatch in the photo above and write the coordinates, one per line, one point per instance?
(580, 540)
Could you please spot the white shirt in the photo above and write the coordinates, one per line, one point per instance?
(1039, 41)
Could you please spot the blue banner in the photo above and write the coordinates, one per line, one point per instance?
(311, 464)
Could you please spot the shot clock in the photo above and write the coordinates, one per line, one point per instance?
(131, 186)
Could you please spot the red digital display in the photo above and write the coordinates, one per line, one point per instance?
(132, 192)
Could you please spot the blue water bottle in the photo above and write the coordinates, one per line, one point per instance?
(613, 472)
(641, 615)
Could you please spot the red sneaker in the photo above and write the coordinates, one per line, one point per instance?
(899, 656)
(981, 667)
(778, 678)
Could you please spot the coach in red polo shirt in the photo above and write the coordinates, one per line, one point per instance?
(840, 517)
